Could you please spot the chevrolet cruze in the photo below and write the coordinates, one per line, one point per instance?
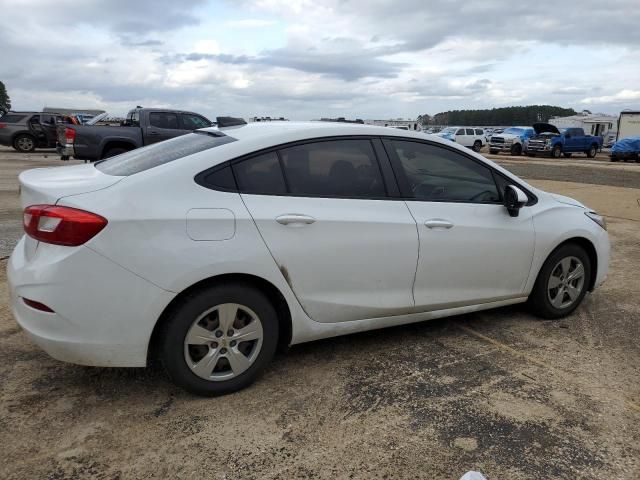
(210, 250)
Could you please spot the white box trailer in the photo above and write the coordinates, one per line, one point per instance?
(628, 124)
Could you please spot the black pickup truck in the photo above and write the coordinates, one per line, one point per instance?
(142, 126)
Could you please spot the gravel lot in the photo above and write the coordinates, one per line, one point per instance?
(500, 391)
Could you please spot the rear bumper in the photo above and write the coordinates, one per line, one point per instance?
(65, 149)
(104, 314)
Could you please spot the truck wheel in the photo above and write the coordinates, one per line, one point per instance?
(592, 151)
(477, 146)
(112, 152)
(567, 155)
(24, 143)
(493, 152)
(516, 150)
(556, 152)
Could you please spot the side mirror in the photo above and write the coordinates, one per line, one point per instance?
(514, 199)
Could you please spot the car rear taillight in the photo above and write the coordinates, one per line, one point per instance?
(62, 225)
(69, 135)
(3, 125)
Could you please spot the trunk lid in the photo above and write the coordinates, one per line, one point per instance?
(48, 185)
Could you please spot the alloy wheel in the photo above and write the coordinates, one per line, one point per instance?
(223, 342)
(566, 282)
(25, 144)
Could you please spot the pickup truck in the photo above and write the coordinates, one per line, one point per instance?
(548, 140)
(142, 126)
(510, 140)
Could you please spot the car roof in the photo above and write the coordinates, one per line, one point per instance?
(304, 130)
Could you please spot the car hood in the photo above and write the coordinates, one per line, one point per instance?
(567, 200)
(545, 128)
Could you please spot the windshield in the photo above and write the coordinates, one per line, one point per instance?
(156, 154)
(514, 131)
(449, 130)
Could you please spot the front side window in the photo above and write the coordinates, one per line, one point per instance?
(193, 122)
(163, 120)
(338, 168)
(439, 174)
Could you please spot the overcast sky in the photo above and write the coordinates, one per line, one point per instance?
(305, 59)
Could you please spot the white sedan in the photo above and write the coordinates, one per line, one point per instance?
(209, 250)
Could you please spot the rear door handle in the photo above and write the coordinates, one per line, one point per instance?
(295, 218)
(153, 133)
(438, 223)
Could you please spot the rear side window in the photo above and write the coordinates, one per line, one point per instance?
(12, 118)
(479, 132)
(260, 175)
(160, 153)
(469, 131)
(340, 168)
(163, 120)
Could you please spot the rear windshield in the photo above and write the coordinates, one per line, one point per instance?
(11, 118)
(160, 153)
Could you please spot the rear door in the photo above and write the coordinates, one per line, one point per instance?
(326, 211)
(471, 250)
(162, 126)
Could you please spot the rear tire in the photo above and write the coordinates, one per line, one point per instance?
(516, 150)
(112, 152)
(203, 312)
(592, 151)
(477, 146)
(556, 293)
(24, 143)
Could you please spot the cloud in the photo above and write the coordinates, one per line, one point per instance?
(623, 96)
(249, 23)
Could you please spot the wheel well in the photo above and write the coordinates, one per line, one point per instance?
(116, 144)
(266, 287)
(591, 252)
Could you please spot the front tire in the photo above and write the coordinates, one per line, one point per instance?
(24, 143)
(219, 340)
(516, 150)
(477, 146)
(556, 152)
(562, 282)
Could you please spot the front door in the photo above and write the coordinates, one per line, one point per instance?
(347, 250)
(471, 250)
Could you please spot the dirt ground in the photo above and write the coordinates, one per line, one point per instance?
(499, 391)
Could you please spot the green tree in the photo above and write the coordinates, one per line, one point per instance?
(5, 101)
(527, 115)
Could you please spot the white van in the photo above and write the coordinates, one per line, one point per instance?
(628, 125)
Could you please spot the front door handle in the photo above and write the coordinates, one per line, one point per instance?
(295, 218)
(438, 223)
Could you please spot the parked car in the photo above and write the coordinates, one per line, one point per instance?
(627, 149)
(467, 137)
(209, 250)
(26, 131)
(511, 140)
(143, 126)
(548, 140)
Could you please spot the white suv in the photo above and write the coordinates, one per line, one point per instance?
(467, 137)
(209, 250)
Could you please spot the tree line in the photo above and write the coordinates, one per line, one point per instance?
(527, 115)
(5, 101)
